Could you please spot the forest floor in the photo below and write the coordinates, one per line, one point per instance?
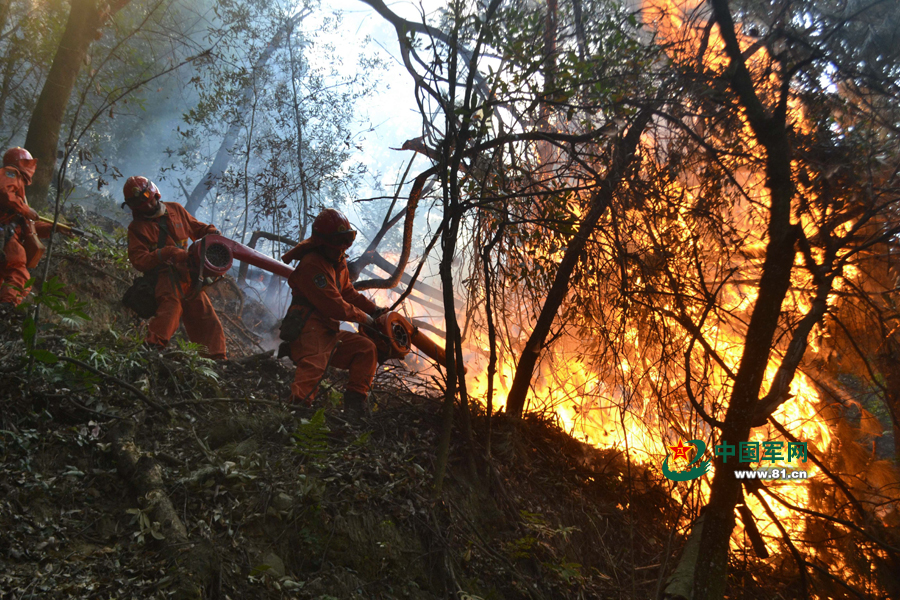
(130, 473)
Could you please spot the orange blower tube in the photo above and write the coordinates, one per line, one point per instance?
(429, 347)
(216, 254)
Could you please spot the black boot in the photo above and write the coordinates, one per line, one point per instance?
(354, 405)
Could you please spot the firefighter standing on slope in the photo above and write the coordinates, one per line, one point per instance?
(150, 247)
(322, 297)
(17, 221)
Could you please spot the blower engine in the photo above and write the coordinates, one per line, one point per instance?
(394, 336)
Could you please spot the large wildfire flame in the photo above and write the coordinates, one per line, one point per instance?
(604, 404)
(681, 26)
(635, 398)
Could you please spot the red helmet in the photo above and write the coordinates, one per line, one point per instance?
(13, 156)
(137, 186)
(140, 193)
(333, 229)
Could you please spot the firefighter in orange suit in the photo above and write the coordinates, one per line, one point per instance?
(17, 220)
(173, 286)
(322, 297)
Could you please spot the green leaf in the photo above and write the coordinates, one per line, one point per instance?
(45, 356)
(29, 330)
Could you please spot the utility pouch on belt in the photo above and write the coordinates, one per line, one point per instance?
(294, 321)
(34, 249)
(6, 232)
(141, 296)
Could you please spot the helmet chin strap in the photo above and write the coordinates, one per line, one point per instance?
(158, 212)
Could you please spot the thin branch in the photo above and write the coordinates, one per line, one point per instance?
(146, 400)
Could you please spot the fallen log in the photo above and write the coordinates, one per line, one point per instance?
(195, 563)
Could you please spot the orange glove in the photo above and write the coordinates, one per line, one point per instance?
(30, 214)
(172, 255)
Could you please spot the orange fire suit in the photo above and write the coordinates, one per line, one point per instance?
(174, 282)
(15, 218)
(323, 293)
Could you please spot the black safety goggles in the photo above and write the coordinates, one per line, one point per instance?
(343, 238)
(140, 200)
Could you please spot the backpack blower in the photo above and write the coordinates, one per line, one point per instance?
(394, 336)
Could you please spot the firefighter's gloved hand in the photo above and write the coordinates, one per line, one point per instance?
(30, 214)
(172, 254)
(213, 231)
(378, 312)
(369, 322)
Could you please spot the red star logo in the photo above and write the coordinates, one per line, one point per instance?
(680, 451)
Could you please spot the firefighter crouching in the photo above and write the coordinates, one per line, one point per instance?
(19, 231)
(157, 242)
(322, 297)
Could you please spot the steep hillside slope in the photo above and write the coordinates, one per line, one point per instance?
(128, 473)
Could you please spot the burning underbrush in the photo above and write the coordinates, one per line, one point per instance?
(135, 474)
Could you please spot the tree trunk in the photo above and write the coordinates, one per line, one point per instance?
(711, 572)
(247, 168)
(9, 69)
(223, 156)
(550, 34)
(624, 154)
(301, 167)
(453, 212)
(448, 246)
(580, 36)
(449, 232)
(4, 16)
(85, 20)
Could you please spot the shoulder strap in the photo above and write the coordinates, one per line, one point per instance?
(299, 300)
(163, 232)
